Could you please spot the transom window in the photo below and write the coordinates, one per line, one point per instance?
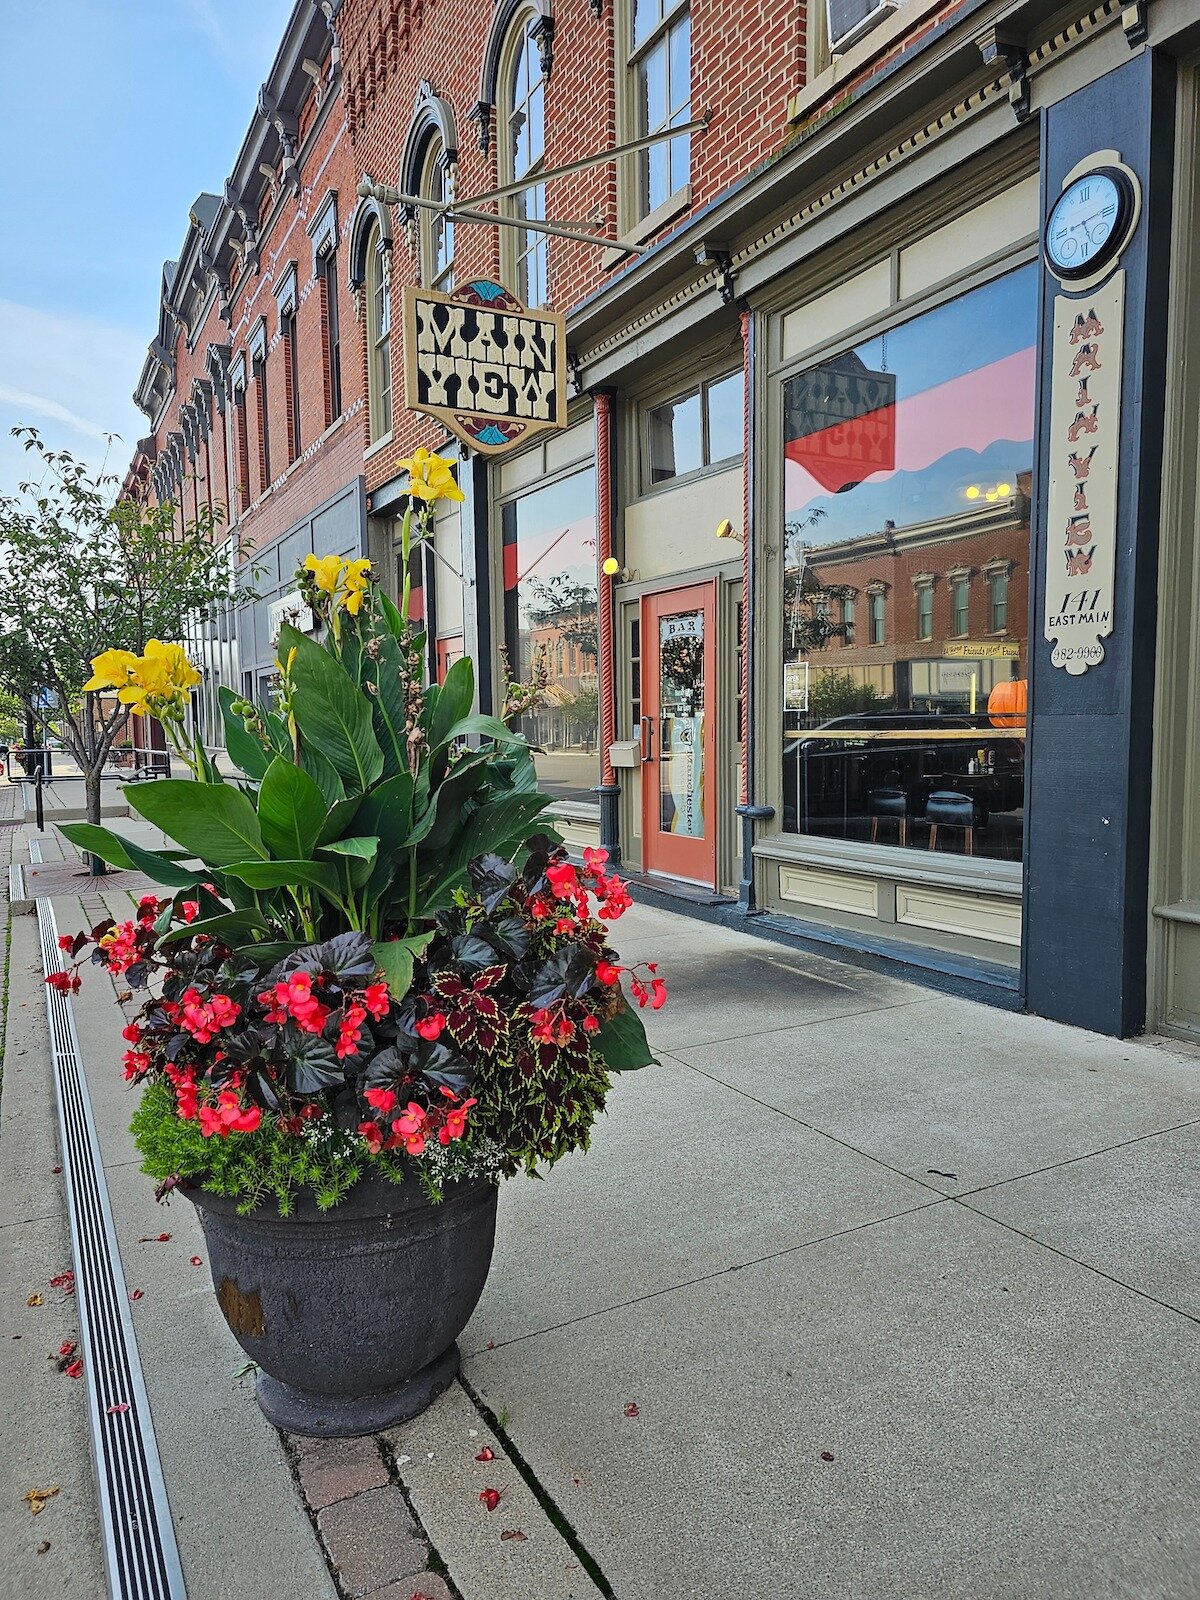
(437, 231)
(695, 430)
(522, 149)
(660, 68)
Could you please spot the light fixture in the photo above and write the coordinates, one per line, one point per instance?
(726, 530)
(610, 567)
(1004, 489)
(973, 492)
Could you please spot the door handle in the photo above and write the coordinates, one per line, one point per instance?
(647, 739)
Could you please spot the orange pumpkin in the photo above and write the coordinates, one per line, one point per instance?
(1006, 704)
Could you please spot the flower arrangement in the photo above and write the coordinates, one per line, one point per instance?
(371, 955)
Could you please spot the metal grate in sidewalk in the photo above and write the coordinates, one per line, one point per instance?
(140, 1552)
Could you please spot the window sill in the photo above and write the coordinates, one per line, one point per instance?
(649, 224)
(849, 65)
(380, 444)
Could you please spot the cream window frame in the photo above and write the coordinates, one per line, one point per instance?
(633, 200)
(437, 183)
(378, 315)
(523, 252)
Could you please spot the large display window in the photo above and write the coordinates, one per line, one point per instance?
(551, 621)
(907, 474)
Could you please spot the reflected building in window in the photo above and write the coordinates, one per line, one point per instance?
(908, 475)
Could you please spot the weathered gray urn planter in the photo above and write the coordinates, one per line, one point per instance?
(351, 1314)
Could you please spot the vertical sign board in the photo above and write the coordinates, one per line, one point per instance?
(493, 372)
(1081, 505)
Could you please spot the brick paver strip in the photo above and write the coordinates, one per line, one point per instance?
(373, 1541)
(340, 1468)
(425, 1586)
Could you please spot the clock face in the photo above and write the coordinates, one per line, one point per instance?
(1089, 222)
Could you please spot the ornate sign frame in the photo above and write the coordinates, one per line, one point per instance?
(492, 371)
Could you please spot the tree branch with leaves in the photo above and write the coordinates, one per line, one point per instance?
(88, 572)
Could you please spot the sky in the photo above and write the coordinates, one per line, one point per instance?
(115, 115)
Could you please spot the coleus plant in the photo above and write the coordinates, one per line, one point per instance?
(372, 954)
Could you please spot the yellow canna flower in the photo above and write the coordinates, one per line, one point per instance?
(326, 570)
(111, 669)
(430, 477)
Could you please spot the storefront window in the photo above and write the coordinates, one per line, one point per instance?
(696, 430)
(908, 470)
(551, 619)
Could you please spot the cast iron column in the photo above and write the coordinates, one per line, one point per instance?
(747, 810)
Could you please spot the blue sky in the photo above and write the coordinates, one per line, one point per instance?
(115, 115)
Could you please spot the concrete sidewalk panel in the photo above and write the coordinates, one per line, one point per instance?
(45, 1432)
(931, 1408)
(736, 987)
(754, 1183)
(946, 1086)
(436, 1461)
(1133, 1212)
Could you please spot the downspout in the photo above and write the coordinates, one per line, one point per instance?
(608, 789)
(749, 812)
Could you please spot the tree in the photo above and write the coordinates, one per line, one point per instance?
(84, 573)
(570, 606)
(839, 694)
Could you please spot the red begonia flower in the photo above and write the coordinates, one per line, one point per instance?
(431, 1027)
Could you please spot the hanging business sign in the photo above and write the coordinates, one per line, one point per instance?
(494, 373)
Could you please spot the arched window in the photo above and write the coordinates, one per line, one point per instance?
(521, 127)
(437, 234)
(379, 336)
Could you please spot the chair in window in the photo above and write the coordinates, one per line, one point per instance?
(889, 800)
(947, 808)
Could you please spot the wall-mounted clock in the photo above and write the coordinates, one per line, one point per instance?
(1090, 222)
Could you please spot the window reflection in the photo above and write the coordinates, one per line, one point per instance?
(551, 618)
(908, 472)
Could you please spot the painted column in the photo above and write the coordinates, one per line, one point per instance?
(747, 810)
(1087, 834)
(608, 789)
(472, 477)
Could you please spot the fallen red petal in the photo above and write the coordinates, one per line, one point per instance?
(514, 1533)
(55, 1169)
(827, 1455)
(67, 1349)
(115, 1410)
(137, 1294)
(75, 1370)
(486, 1454)
(197, 1261)
(490, 1498)
(631, 1410)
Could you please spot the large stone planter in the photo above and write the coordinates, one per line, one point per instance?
(351, 1314)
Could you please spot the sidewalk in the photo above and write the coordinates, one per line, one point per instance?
(864, 1292)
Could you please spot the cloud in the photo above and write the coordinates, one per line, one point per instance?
(73, 376)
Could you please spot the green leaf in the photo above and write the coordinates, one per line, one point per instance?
(270, 954)
(214, 821)
(388, 708)
(160, 866)
(387, 812)
(365, 849)
(396, 624)
(244, 749)
(291, 811)
(280, 874)
(340, 815)
(323, 773)
(231, 922)
(332, 715)
(486, 727)
(454, 701)
(622, 1042)
(396, 958)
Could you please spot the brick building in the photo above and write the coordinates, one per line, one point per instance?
(814, 366)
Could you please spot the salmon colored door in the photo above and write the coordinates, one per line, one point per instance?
(678, 733)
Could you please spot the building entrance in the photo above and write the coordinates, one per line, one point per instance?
(678, 733)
